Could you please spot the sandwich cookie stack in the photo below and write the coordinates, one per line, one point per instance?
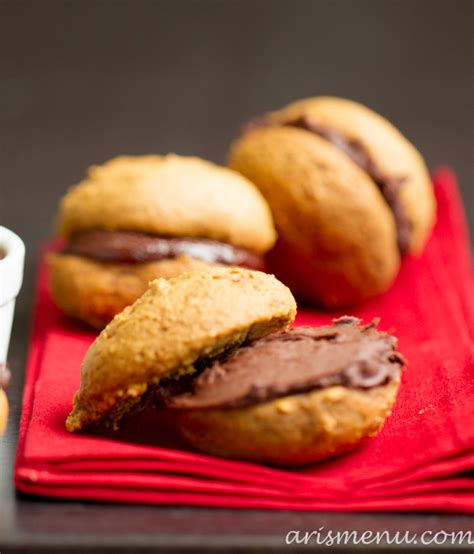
(135, 219)
(350, 196)
(213, 350)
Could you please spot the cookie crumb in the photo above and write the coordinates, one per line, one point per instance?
(425, 409)
(284, 407)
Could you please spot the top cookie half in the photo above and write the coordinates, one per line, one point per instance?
(169, 196)
(371, 142)
(175, 326)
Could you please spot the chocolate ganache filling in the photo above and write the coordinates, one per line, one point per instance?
(132, 247)
(388, 186)
(295, 361)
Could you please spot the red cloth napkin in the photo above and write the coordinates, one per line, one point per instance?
(423, 459)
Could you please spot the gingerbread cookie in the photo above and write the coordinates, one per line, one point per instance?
(212, 349)
(349, 194)
(135, 219)
(4, 381)
(169, 331)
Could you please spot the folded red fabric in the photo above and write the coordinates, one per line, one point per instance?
(423, 459)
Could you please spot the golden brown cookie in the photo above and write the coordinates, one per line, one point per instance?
(169, 196)
(3, 411)
(135, 219)
(291, 430)
(348, 192)
(166, 333)
(4, 381)
(211, 350)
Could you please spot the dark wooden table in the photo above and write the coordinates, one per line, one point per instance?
(81, 82)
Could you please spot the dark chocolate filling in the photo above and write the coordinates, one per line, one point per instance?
(388, 186)
(132, 247)
(291, 362)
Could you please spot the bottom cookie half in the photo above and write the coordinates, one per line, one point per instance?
(293, 430)
(95, 292)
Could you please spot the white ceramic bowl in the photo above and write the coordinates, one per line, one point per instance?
(12, 257)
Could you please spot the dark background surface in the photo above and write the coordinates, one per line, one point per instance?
(81, 82)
